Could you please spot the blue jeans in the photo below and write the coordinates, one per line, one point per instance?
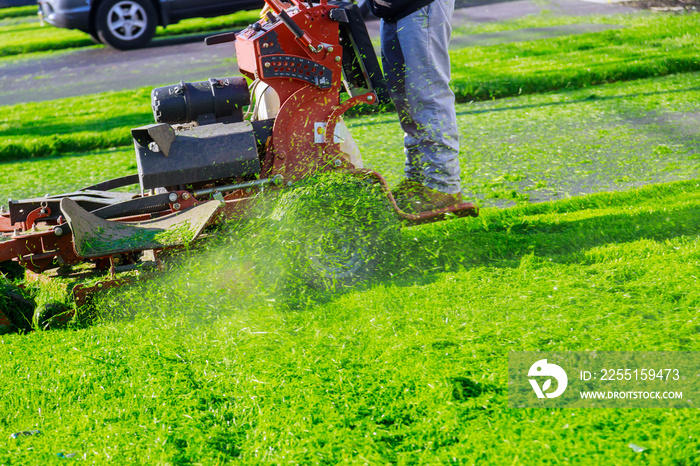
(417, 70)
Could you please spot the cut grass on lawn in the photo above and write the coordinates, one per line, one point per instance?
(531, 148)
(647, 46)
(552, 146)
(411, 370)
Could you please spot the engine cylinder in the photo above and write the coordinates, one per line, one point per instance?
(213, 101)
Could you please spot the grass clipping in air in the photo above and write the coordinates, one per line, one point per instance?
(327, 234)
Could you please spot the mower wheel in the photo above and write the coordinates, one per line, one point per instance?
(338, 230)
(16, 307)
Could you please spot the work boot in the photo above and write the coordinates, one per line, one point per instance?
(404, 190)
(426, 199)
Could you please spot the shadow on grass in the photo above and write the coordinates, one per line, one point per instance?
(54, 127)
(515, 86)
(669, 211)
(592, 97)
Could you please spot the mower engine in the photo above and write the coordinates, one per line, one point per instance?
(199, 137)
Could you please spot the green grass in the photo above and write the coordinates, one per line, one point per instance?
(647, 46)
(73, 124)
(634, 46)
(35, 178)
(530, 148)
(227, 22)
(22, 37)
(546, 18)
(18, 11)
(211, 372)
(557, 145)
(208, 365)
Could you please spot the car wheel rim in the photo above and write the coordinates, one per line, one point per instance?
(127, 21)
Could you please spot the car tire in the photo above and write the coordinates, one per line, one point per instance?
(126, 24)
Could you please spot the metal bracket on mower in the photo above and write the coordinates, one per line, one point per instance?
(464, 209)
(95, 237)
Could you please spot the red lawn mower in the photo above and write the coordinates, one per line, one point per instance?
(204, 160)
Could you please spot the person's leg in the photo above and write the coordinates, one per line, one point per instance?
(431, 123)
(394, 73)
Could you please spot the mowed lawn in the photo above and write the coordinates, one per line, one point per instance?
(208, 364)
(412, 369)
(633, 47)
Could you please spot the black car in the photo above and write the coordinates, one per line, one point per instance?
(11, 3)
(128, 24)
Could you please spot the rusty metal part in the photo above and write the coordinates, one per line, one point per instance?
(6, 226)
(277, 179)
(6, 325)
(296, 152)
(42, 212)
(464, 209)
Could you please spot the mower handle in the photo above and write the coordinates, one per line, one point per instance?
(302, 37)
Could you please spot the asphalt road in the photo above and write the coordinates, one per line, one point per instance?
(167, 61)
